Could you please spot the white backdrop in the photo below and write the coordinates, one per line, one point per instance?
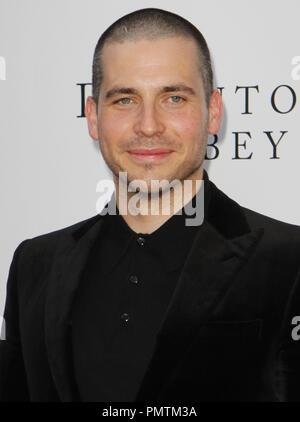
(49, 167)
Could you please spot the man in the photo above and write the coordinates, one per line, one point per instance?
(143, 306)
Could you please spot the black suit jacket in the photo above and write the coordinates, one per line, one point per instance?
(226, 335)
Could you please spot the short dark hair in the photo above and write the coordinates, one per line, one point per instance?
(152, 23)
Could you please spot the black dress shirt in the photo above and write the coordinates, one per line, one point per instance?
(121, 302)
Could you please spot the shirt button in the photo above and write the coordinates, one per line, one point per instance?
(125, 317)
(141, 241)
(134, 279)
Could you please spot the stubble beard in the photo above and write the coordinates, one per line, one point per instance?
(186, 170)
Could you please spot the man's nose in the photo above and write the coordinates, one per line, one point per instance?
(149, 121)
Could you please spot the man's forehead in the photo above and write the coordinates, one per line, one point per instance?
(160, 49)
(167, 61)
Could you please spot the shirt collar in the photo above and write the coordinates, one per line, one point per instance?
(170, 242)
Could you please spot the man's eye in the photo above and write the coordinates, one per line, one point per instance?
(175, 99)
(123, 101)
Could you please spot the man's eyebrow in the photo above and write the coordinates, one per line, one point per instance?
(119, 90)
(171, 88)
(177, 88)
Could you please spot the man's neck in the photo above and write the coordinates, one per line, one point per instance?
(151, 213)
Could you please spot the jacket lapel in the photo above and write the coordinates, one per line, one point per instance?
(207, 276)
(70, 258)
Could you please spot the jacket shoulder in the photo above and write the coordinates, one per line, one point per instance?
(48, 241)
(280, 241)
(271, 225)
(233, 219)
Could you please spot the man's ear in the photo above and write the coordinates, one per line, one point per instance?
(215, 110)
(91, 115)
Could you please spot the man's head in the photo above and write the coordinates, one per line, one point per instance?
(153, 89)
(152, 24)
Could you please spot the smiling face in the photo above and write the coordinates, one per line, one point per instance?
(152, 97)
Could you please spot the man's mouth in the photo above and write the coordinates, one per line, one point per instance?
(149, 154)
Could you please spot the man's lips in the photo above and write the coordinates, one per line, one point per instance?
(150, 154)
(150, 151)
